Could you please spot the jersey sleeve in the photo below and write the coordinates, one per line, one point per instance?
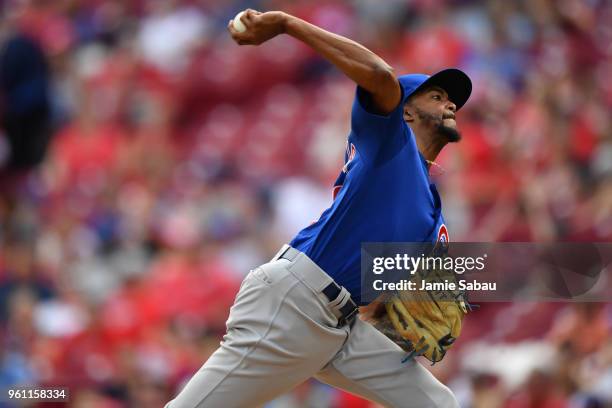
(374, 133)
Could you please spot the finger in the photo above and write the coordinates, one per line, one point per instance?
(247, 18)
(250, 13)
(236, 36)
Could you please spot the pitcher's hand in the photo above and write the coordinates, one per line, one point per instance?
(260, 27)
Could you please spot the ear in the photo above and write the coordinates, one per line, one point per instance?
(408, 113)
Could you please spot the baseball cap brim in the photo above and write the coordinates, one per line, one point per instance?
(455, 82)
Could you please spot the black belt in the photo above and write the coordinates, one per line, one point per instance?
(348, 312)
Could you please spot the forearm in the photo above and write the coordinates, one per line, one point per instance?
(357, 62)
(352, 58)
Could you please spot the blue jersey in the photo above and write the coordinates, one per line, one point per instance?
(383, 194)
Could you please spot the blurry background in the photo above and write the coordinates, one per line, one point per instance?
(147, 163)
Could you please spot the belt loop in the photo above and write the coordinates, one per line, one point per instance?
(341, 299)
(343, 307)
(281, 252)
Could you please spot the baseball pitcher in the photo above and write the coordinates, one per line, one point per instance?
(295, 317)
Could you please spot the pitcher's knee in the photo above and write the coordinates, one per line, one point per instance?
(171, 404)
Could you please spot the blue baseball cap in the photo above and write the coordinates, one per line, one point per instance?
(455, 82)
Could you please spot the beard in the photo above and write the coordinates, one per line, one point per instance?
(449, 134)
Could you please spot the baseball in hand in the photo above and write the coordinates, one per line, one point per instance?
(238, 24)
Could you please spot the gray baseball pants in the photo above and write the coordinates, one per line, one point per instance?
(282, 330)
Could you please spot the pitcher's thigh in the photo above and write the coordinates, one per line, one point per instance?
(275, 340)
(370, 365)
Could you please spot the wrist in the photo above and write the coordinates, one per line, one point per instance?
(285, 22)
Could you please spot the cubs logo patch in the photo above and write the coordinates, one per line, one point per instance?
(443, 237)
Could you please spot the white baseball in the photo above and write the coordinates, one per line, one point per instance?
(238, 24)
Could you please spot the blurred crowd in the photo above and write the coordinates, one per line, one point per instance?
(147, 163)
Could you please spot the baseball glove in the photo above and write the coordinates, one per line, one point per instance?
(424, 322)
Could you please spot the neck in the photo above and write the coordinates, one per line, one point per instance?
(429, 146)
